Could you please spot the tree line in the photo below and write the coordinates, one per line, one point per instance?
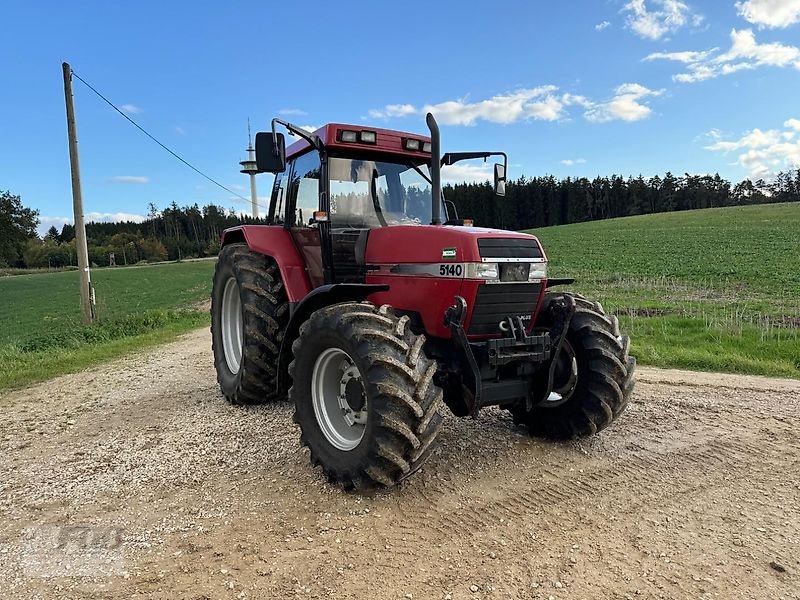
(191, 231)
(169, 234)
(544, 201)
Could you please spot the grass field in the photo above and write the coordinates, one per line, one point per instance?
(40, 331)
(715, 289)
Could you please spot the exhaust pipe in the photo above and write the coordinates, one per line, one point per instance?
(436, 172)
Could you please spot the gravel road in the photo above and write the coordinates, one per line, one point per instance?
(136, 480)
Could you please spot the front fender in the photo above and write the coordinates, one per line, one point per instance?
(274, 241)
(324, 295)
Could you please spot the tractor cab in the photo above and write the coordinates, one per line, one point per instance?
(335, 185)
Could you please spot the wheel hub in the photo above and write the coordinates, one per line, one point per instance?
(352, 398)
(354, 395)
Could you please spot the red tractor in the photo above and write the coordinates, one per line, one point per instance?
(373, 305)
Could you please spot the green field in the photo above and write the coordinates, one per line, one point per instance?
(40, 331)
(715, 289)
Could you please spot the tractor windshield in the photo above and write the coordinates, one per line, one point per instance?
(369, 193)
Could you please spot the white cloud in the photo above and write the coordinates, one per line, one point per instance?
(46, 221)
(103, 217)
(686, 57)
(745, 47)
(180, 130)
(602, 25)
(753, 139)
(712, 135)
(532, 103)
(770, 13)
(653, 24)
(792, 124)
(543, 103)
(573, 99)
(466, 172)
(131, 109)
(745, 53)
(764, 153)
(292, 112)
(129, 179)
(309, 128)
(573, 161)
(393, 110)
(626, 105)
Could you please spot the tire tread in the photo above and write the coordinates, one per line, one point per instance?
(399, 378)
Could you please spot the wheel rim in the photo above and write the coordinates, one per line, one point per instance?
(337, 393)
(232, 328)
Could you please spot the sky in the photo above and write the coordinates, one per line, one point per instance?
(572, 88)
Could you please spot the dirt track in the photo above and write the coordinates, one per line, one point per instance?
(693, 493)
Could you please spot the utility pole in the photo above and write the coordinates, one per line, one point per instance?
(87, 298)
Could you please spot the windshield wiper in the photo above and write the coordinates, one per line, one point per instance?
(373, 190)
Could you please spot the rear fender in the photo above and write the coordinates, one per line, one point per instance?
(274, 241)
(325, 295)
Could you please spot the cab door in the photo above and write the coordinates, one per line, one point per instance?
(302, 201)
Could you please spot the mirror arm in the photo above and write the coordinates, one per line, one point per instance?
(295, 130)
(452, 158)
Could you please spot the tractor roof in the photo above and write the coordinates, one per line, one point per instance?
(386, 140)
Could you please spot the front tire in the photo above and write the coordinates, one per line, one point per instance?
(364, 395)
(249, 314)
(594, 377)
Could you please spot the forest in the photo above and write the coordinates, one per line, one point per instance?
(175, 232)
(172, 233)
(544, 201)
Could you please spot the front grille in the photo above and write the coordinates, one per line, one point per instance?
(496, 301)
(509, 248)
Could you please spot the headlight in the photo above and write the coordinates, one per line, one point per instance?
(537, 271)
(507, 272)
(482, 271)
(368, 137)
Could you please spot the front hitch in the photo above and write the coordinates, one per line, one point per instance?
(561, 312)
(454, 319)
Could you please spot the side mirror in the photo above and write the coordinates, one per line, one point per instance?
(499, 179)
(270, 153)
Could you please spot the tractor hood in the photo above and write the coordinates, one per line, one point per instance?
(437, 244)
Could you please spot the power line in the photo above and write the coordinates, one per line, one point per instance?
(142, 129)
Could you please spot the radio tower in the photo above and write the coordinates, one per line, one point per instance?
(249, 167)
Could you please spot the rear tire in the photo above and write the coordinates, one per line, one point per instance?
(605, 377)
(375, 419)
(249, 314)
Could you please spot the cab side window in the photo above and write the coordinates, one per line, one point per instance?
(304, 189)
(278, 202)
